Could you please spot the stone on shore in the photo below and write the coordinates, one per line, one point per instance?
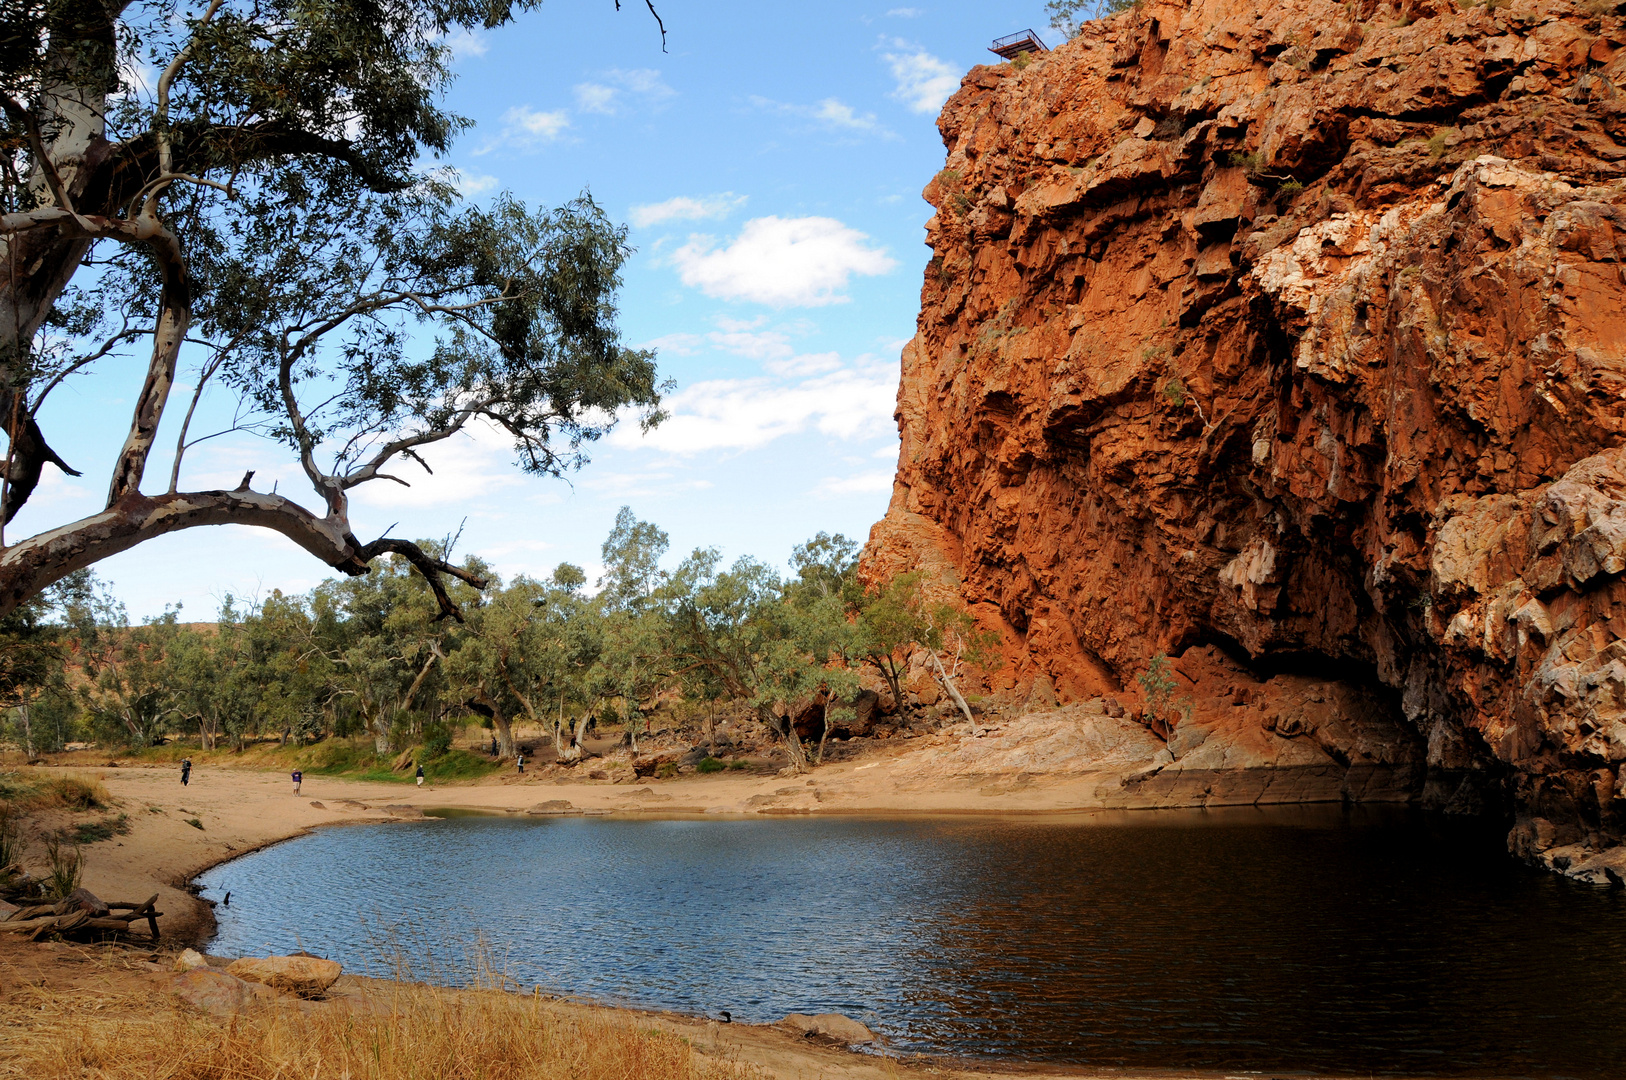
(189, 960)
(552, 806)
(831, 1025)
(307, 976)
(216, 991)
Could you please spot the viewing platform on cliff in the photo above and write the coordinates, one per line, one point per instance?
(1013, 45)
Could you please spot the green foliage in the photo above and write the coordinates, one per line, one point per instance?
(666, 770)
(195, 823)
(67, 868)
(709, 765)
(1158, 683)
(1290, 187)
(1174, 392)
(91, 832)
(1069, 16)
(1250, 162)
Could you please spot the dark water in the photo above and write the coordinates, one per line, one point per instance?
(1360, 942)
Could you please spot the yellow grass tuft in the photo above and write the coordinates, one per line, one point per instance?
(396, 1032)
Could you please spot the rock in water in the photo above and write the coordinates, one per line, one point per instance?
(307, 976)
(1283, 327)
(834, 1025)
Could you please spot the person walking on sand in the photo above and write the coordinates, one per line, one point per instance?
(520, 761)
(420, 775)
(186, 771)
(299, 778)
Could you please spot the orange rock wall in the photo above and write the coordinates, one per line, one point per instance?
(1294, 330)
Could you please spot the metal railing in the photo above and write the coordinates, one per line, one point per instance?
(1020, 42)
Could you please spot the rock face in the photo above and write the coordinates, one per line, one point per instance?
(1294, 331)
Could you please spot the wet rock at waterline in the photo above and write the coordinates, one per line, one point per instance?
(830, 1025)
(1295, 333)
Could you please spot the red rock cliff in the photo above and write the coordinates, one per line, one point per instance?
(1292, 331)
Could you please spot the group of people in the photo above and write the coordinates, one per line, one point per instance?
(298, 776)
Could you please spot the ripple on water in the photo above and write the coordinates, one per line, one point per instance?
(1356, 941)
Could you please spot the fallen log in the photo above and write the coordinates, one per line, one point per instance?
(82, 911)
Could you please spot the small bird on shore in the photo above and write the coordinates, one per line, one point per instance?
(728, 1017)
(226, 902)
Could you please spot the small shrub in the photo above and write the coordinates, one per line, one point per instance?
(195, 823)
(92, 832)
(666, 770)
(77, 793)
(710, 765)
(1437, 141)
(1174, 391)
(1291, 187)
(437, 739)
(739, 763)
(1251, 162)
(67, 868)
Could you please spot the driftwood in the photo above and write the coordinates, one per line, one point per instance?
(82, 912)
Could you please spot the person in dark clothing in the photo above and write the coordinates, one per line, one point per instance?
(298, 778)
(520, 761)
(420, 776)
(494, 746)
(186, 771)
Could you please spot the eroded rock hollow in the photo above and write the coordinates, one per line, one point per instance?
(1288, 338)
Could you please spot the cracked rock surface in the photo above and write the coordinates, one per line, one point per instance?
(1294, 332)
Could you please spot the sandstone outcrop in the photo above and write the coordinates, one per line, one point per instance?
(1294, 332)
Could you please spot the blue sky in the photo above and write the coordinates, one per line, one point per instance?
(769, 166)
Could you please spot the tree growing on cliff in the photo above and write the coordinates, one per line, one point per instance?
(264, 202)
(897, 616)
(1069, 16)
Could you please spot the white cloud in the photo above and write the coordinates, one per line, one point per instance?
(864, 483)
(805, 364)
(471, 184)
(596, 97)
(923, 81)
(686, 208)
(610, 94)
(887, 452)
(850, 404)
(905, 13)
(525, 128)
(782, 262)
(830, 113)
(466, 43)
(680, 343)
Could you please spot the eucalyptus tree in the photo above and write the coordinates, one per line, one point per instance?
(384, 640)
(264, 205)
(528, 650)
(634, 606)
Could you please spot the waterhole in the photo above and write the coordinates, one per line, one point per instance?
(1356, 941)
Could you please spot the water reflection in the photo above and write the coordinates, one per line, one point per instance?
(1341, 941)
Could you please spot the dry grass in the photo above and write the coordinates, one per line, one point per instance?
(24, 792)
(396, 1032)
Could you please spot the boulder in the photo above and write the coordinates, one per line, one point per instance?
(216, 991)
(189, 960)
(552, 806)
(831, 1025)
(307, 976)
